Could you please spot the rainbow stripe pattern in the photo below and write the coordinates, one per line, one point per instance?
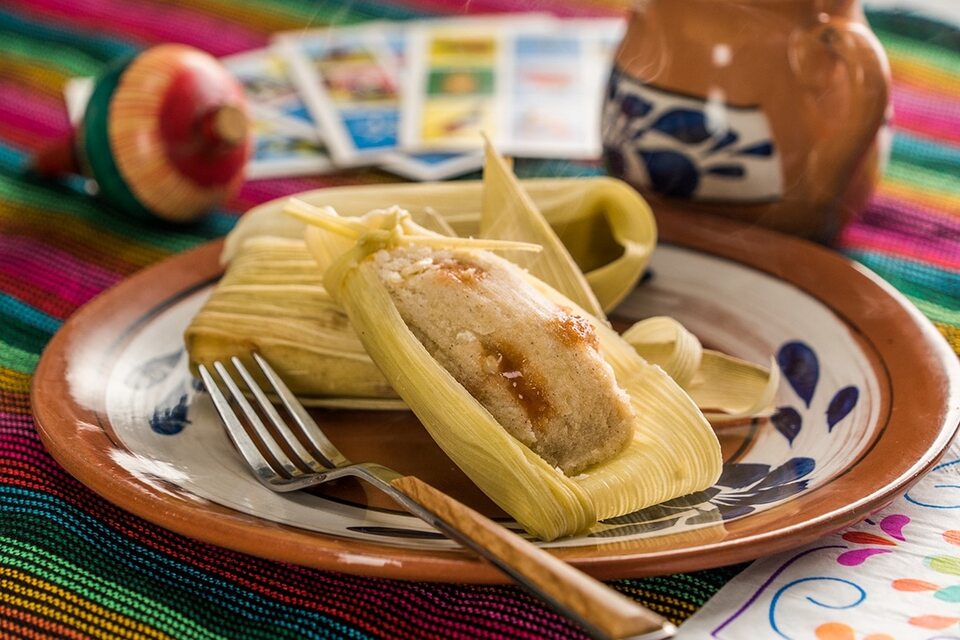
(74, 566)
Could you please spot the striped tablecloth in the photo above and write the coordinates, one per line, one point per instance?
(73, 565)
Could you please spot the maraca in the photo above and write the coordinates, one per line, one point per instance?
(164, 134)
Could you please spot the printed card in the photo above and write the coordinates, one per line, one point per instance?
(452, 87)
(348, 77)
(286, 141)
(285, 147)
(266, 80)
(554, 89)
(425, 166)
(389, 42)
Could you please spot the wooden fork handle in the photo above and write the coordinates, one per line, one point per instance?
(603, 611)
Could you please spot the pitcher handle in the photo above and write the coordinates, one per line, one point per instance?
(834, 158)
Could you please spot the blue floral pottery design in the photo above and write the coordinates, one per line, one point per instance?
(744, 486)
(681, 146)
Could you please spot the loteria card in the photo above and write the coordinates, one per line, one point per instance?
(286, 147)
(389, 41)
(265, 77)
(425, 166)
(554, 89)
(454, 83)
(452, 86)
(348, 77)
(285, 137)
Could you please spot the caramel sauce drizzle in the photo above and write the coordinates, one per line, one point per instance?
(525, 388)
(574, 331)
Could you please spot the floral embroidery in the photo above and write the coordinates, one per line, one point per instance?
(841, 631)
(892, 525)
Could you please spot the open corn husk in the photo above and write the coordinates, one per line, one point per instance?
(673, 451)
(508, 213)
(724, 387)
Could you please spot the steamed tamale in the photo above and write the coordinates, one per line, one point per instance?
(669, 450)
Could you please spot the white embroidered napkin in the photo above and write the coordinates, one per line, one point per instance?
(894, 576)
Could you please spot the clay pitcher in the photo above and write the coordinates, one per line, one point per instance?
(769, 111)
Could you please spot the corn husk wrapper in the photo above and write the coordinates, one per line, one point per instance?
(272, 300)
(673, 452)
(724, 387)
(508, 213)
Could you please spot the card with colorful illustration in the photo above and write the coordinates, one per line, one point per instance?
(389, 40)
(267, 82)
(554, 89)
(427, 165)
(348, 77)
(286, 141)
(452, 86)
(286, 147)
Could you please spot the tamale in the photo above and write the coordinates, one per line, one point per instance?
(531, 363)
(671, 449)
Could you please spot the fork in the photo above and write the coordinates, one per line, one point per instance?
(304, 457)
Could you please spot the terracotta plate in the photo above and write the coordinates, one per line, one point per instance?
(869, 401)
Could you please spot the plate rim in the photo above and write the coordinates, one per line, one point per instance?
(766, 251)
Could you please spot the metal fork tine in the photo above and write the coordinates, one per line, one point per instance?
(238, 435)
(282, 429)
(255, 422)
(311, 430)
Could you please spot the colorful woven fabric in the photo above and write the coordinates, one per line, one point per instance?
(910, 233)
(72, 565)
